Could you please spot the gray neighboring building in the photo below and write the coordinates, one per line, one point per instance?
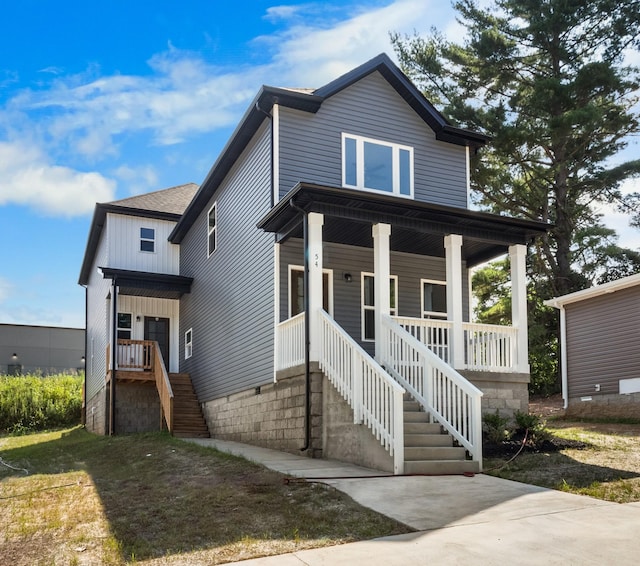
(599, 338)
(43, 350)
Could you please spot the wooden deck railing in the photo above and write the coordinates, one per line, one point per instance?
(144, 356)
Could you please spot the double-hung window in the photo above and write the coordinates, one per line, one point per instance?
(368, 304)
(124, 325)
(212, 229)
(147, 240)
(434, 298)
(375, 165)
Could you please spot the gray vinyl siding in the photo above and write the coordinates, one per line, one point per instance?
(230, 307)
(311, 144)
(603, 334)
(409, 268)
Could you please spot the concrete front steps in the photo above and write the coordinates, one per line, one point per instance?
(188, 421)
(429, 450)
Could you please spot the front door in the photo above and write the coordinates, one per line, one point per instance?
(157, 329)
(296, 291)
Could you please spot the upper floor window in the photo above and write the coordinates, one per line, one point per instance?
(377, 166)
(212, 228)
(434, 299)
(147, 240)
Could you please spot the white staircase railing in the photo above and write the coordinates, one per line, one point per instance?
(375, 397)
(434, 334)
(442, 392)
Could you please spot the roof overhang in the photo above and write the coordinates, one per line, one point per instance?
(417, 227)
(598, 290)
(144, 284)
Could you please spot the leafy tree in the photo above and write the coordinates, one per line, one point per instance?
(547, 80)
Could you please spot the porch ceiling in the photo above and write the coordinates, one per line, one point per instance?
(144, 284)
(417, 227)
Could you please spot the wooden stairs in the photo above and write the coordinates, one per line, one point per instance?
(188, 421)
(429, 450)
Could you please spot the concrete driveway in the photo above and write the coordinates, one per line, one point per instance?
(461, 520)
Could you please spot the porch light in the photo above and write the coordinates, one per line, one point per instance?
(347, 277)
(14, 356)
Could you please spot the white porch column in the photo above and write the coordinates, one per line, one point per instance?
(453, 248)
(314, 251)
(382, 273)
(518, 257)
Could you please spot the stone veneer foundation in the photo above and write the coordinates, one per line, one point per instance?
(504, 392)
(605, 406)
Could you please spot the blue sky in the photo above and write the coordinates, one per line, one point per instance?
(103, 100)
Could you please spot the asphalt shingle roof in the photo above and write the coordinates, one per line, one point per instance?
(173, 200)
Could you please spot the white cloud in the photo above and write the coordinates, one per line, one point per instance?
(27, 178)
(138, 180)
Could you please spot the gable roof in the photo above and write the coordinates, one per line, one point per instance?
(311, 101)
(165, 204)
(598, 290)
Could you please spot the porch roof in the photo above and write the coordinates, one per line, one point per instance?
(418, 227)
(145, 284)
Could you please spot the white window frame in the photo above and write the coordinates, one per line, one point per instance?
(152, 240)
(360, 140)
(213, 230)
(393, 310)
(432, 314)
(325, 271)
(122, 328)
(188, 344)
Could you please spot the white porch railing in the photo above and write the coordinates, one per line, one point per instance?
(290, 342)
(490, 347)
(374, 396)
(487, 347)
(442, 392)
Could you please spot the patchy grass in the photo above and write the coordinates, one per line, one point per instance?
(608, 467)
(153, 499)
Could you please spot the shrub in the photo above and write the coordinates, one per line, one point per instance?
(495, 427)
(536, 426)
(30, 403)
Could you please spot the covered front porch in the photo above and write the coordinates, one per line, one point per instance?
(412, 333)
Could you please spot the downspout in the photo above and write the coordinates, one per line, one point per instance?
(114, 358)
(563, 356)
(307, 362)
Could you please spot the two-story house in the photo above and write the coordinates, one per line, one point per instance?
(317, 285)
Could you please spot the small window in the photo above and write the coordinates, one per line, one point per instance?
(368, 304)
(188, 344)
(147, 240)
(377, 166)
(212, 228)
(124, 326)
(296, 290)
(434, 299)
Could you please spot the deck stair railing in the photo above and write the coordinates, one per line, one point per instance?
(375, 397)
(441, 391)
(163, 385)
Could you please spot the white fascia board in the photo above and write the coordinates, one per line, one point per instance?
(611, 287)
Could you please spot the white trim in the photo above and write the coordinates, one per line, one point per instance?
(437, 315)
(328, 272)
(563, 357)
(363, 307)
(276, 306)
(395, 164)
(188, 344)
(275, 124)
(214, 207)
(611, 287)
(468, 174)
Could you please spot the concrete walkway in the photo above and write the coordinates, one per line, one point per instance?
(478, 520)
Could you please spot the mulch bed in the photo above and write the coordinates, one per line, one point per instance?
(509, 448)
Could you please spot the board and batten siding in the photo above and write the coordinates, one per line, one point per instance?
(124, 245)
(230, 307)
(98, 316)
(311, 144)
(347, 300)
(602, 341)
